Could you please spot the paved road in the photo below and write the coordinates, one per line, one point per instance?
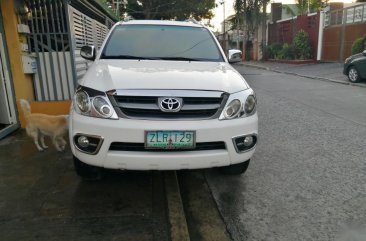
(43, 199)
(307, 180)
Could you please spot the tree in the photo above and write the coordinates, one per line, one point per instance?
(302, 7)
(253, 13)
(170, 9)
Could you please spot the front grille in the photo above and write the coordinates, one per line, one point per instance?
(201, 146)
(147, 107)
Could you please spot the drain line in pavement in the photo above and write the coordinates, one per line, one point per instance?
(177, 219)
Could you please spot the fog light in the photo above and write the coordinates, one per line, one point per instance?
(244, 143)
(83, 141)
(89, 144)
(248, 141)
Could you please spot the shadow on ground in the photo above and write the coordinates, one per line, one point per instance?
(43, 199)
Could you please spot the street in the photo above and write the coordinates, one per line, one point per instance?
(307, 180)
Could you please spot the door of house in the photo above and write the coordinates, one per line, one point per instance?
(8, 118)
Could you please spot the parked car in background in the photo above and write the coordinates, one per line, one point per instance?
(355, 67)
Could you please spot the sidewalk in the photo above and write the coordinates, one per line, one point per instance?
(323, 71)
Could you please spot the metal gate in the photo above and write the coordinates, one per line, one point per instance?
(84, 31)
(57, 32)
(49, 43)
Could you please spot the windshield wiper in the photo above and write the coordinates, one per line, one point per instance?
(126, 57)
(179, 58)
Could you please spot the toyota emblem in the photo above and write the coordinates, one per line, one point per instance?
(169, 104)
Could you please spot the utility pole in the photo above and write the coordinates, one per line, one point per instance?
(237, 32)
(117, 2)
(224, 34)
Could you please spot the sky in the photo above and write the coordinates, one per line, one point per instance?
(219, 13)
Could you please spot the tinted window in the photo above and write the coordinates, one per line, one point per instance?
(162, 41)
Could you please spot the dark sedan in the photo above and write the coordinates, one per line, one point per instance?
(355, 67)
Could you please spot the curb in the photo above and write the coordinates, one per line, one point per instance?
(305, 76)
(177, 219)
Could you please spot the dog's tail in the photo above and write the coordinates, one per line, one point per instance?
(25, 107)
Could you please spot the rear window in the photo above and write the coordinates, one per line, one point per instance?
(162, 42)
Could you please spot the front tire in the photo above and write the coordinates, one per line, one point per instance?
(88, 172)
(235, 169)
(353, 75)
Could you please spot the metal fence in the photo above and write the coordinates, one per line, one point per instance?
(57, 32)
(49, 42)
(354, 14)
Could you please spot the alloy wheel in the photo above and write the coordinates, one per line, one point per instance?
(353, 75)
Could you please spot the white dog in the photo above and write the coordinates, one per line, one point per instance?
(40, 125)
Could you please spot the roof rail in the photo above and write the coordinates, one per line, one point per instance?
(192, 20)
(128, 18)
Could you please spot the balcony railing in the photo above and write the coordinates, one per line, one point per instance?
(354, 14)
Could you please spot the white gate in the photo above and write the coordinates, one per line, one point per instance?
(84, 31)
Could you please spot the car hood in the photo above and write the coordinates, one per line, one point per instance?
(105, 75)
(355, 56)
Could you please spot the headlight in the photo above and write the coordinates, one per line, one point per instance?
(241, 104)
(233, 109)
(82, 101)
(102, 107)
(93, 103)
(250, 104)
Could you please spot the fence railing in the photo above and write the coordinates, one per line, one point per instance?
(354, 14)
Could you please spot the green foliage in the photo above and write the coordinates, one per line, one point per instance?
(171, 9)
(275, 49)
(251, 13)
(287, 51)
(301, 45)
(106, 5)
(359, 45)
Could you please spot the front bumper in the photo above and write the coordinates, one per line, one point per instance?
(129, 130)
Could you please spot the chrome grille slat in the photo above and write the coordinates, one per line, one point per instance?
(138, 106)
(196, 104)
(200, 107)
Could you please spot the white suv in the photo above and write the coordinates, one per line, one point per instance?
(161, 95)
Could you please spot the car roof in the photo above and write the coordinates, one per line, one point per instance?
(162, 22)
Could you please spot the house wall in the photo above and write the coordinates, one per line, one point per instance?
(23, 86)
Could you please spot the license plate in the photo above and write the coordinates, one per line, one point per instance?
(170, 140)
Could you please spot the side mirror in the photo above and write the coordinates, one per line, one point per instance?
(88, 52)
(235, 56)
(364, 52)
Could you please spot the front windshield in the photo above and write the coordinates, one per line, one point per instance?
(161, 42)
